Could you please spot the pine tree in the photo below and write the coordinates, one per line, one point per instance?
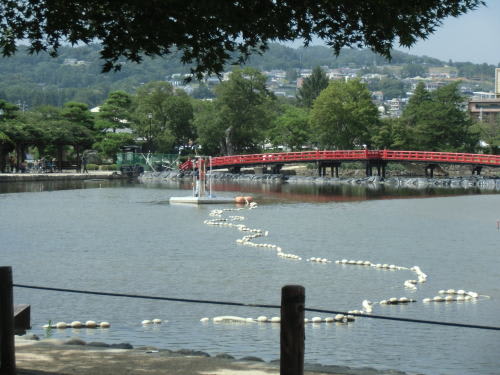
(312, 87)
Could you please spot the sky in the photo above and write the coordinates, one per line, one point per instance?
(473, 37)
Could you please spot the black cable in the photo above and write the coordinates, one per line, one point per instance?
(143, 296)
(421, 321)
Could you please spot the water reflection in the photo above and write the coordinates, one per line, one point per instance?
(40, 186)
(283, 191)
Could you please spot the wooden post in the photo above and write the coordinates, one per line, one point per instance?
(7, 348)
(292, 330)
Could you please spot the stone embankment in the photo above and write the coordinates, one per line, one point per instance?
(481, 182)
(65, 176)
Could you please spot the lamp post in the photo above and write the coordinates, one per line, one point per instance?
(150, 117)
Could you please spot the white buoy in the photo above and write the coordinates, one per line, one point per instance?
(409, 284)
(90, 324)
(104, 325)
(427, 300)
(76, 324)
(146, 322)
(367, 305)
(275, 319)
(262, 318)
(157, 321)
(204, 320)
(229, 319)
(339, 317)
(438, 299)
(329, 320)
(316, 319)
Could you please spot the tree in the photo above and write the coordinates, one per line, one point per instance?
(109, 145)
(312, 87)
(393, 133)
(213, 32)
(392, 88)
(291, 129)
(78, 113)
(343, 116)
(210, 129)
(163, 116)
(114, 113)
(8, 110)
(489, 133)
(202, 92)
(413, 70)
(6, 145)
(437, 121)
(243, 106)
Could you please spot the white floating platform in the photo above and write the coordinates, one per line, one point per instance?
(201, 200)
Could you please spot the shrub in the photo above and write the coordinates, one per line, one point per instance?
(92, 167)
(108, 167)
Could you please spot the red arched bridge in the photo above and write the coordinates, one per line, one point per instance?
(371, 158)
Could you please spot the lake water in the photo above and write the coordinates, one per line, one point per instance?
(126, 238)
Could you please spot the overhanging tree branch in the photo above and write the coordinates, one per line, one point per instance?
(211, 33)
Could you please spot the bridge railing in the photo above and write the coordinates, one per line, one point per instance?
(287, 157)
(344, 155)
(441, 157)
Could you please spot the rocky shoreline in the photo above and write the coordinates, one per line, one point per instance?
(76, 357)
(480, 182)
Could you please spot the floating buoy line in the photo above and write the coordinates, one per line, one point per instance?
(235, 221)
(77, 324)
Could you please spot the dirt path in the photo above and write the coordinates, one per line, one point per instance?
(50, 357)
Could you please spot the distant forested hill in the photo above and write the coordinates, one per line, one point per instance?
(75, 75)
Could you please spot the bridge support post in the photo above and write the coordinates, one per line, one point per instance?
(276, 168)
(369, 169)
(321, 169)
(429, 170)
(235, 170)
(476, 169)
(334, 168)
